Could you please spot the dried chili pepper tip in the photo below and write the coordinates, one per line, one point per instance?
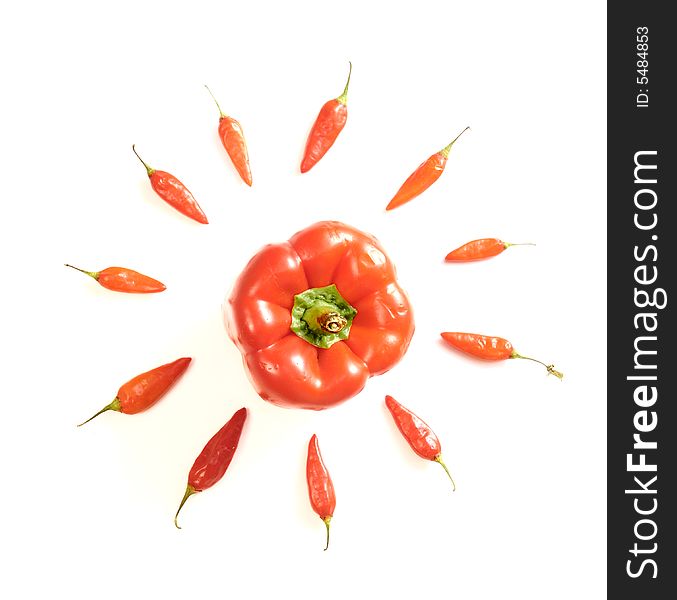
(320, 486)
(424, 176)
(328, 124)
(213, 462)
(144, 390)
(119, 279)
(480, 249)
(418, 434)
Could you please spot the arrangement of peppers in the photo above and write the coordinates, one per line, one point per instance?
(314, 317)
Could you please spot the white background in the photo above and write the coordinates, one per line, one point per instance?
(88, 512)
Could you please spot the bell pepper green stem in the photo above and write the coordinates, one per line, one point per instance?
(331, 322)
(321, 316)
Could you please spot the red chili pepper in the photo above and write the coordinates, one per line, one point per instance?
(424, 176)
(480, 249)
(173, 192)
(232, 138)
(320, 486)
(489, 348)
(215, 458)
(120, 279)
(141, 392)
(421, 438)
(327, 126)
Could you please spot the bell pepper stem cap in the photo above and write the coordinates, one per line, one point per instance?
(321, 316)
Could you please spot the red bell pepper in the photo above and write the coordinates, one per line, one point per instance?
(318, 315)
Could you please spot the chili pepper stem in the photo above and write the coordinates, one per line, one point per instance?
(445, 151)
(438, 459)
(550, 368)
(343, 98)
(190, 490)
(93, 274)
(115, 405)
(149, 170)
(327, 521)
(507, 244)
(222, 115)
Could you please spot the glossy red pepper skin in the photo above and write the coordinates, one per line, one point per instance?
(418, 433)
(141, 392)
(477, 250)
(427, 173)
(232, 138)
(329, 123)
(174, 193)
(481, 346)
(119, 279)
(421, 438)
(213, 462)
(320, 486)
(144, 390)
(285, 369)
(177, 195)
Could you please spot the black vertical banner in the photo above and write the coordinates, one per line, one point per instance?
(642, 366)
